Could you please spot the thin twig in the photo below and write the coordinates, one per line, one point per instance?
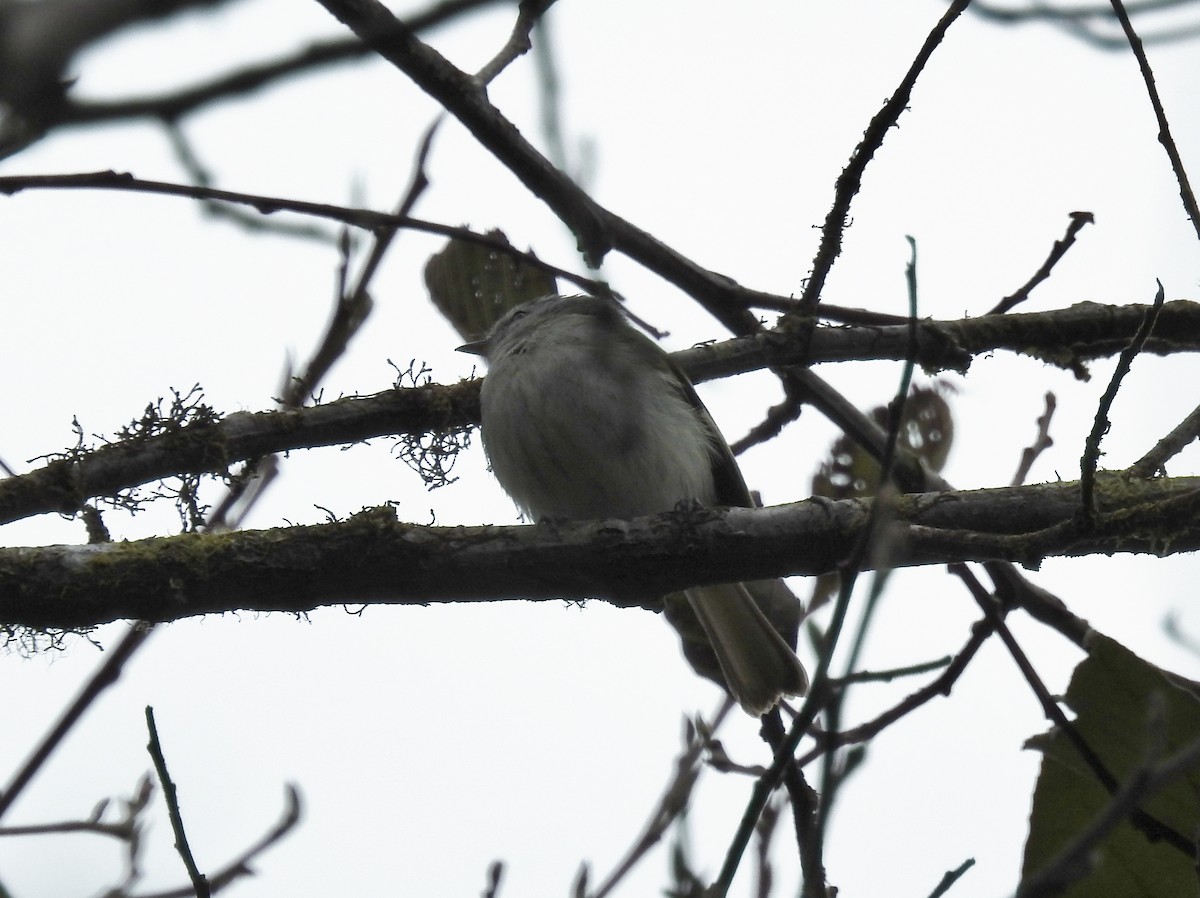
(107, 674)
(1039, 603)
(550, 106)
(366, 219)
(819, 695)
(1041, 442)
(175, 106)
(1060, 248)
(1152, 827)
(351, 307)
(240, 866)
(777, 417)
(462, 96)
(894, 673)
(1164, 128)
(1174, 632)
(850, 180)
(518, 43)
(110, 670)
(199, 880)
(202, 177)
(942, 685)
(806, 806)
(951, 877)
(1155, 461)
(1084, 22)
(418, 183)
(495, 874)
(1091, 449)
(831, 777)
(95, 827)
(1047, 13)
(672, 804)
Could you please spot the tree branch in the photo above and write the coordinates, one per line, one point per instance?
(174, 106)
(66, 483)
(374, 558)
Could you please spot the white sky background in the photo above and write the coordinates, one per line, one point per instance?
(428, 742)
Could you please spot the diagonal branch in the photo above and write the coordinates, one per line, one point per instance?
(1060, 249)
(465, 98)
(850, 180)
(1164, 128)
(175, 106)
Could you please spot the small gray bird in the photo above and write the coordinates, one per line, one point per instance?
(584, 417)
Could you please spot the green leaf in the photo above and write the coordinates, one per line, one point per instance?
(1114, 694)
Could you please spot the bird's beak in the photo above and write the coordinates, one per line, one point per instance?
(475, 347)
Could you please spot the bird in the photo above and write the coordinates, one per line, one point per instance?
(584, 417)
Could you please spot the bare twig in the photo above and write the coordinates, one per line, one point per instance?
(1164, 128)
(240, 866)
(128, 829)
(1091, 450)
(125, 829)
(107, 674)
(831, 776)
(1060, 248)
(1091, 330)
(340, 332)
(495, 874)
(894, 673)
(248, 221)
(351, 308)
(267, 205)
(354, 305)
(808, 814)
(942, 685)
(461, 95)
(1153, 828)
(175, 106)
(951, 877)
(1154, 461)
(806, 806)
(1041, 442)
(518, 43)
(1084, 22)
(674, 800)
(850, 180)
(199, 880)
(1048, 13)
(1174, 631)
(777, 418)
(1039, 603)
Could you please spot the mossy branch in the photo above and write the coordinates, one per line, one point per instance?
(372, 557)
(1068, 336)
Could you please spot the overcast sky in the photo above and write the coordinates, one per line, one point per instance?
(428, 742)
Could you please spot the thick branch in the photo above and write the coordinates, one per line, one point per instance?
(64, 485)
(466, 99)
(374, 558)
